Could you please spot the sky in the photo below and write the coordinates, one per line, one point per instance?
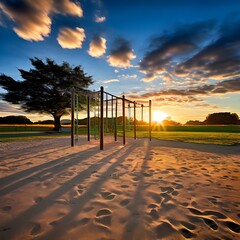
(184, 55)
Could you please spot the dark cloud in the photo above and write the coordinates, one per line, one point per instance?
(218, 60)
(121, 54)
(227, 86)
(170, 47)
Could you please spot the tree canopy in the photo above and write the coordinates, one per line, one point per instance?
(46, 88)
(222, 118)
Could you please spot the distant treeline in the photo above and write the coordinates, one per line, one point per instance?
(221, 118)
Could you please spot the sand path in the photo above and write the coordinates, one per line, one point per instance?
(141, 191)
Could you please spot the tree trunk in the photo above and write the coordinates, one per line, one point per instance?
(57, 123)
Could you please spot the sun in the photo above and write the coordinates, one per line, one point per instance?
(159, 116)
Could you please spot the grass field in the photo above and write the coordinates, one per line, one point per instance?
(223, 135)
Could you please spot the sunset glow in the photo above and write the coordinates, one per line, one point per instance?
(159, 116)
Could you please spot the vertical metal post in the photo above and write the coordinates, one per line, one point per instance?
(124, 120)
(76, 118)
(72, 116)
(134, 120)
(150, 120)
(142, 113)
(88, 118)
(112, 116)
(101, 117)
(106, 113)
(95, 124)
(116, 120)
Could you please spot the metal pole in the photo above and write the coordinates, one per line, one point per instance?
(72, 116)
(76, 118)
(101, 118)
(142, 113)
(134, 116)
(95, 124)
(116, 120)
(106, 112)
(124, 120)
(112, 116)
(150, 120)
(88, 118)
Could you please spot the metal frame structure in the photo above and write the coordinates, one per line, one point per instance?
(105, 97)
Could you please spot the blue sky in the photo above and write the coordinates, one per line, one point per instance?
(182, 54)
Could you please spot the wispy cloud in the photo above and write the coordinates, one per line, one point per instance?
(71, 38)
(219, 60)
(224, 87)
(33, 18)
(121, 54)
(97, 47)
(169, 48)
(110, 80)
(128, 76)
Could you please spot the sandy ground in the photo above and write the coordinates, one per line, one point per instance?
(142, 191)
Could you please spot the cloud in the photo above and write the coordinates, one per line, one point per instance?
(67, 7)
(9, 108)
(97, 47)
(99, 19)
(169, 48)
(219, 60)
(33, 18)
(71, 38)
(121, 55)
(128, 76)
(224, 87)
(110, 80)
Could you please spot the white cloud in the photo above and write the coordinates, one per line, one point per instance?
(71, 38)
(33, 18)
(127, 76)
(110, 80)
(100, 19)
(97, 47)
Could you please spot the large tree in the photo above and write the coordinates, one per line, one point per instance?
(46, 88)
(222, 118)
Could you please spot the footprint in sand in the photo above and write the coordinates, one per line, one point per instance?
(108, 195)
(36, 229)
(216, 214)
(167, 189)
(195, 211)
(7, 208)
(104, 217)
(232, 226)
(164, 230)
(124, 202)
(38, 199)
(154, 214)
(210, 223)
(188, 225)
(187, 233)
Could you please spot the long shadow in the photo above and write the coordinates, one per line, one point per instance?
(210, 148)
(18, 223)
(67, 222)
(25, 151)
(38, 155)
(53, 167)
(135, 217)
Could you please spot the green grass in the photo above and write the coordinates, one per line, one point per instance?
(220, 138)
(222, 135)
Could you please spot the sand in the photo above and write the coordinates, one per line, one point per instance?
(141, 191)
